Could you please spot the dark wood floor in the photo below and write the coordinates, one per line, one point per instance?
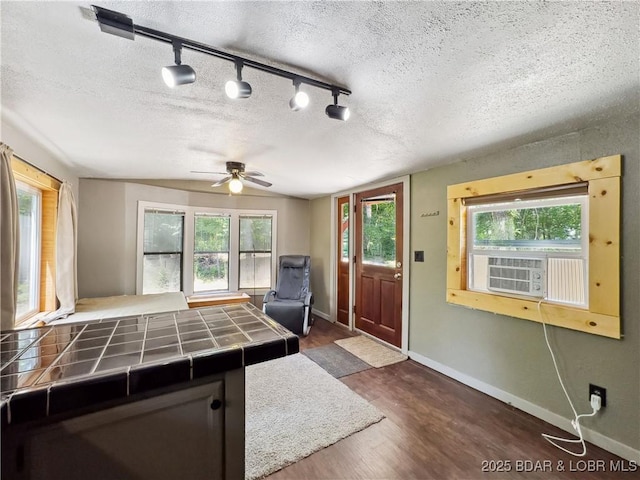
(437, 428)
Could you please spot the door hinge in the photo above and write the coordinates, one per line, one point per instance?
(354, 259)
(354, 309)
(355, 208)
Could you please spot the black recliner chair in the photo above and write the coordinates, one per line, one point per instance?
(290, 303)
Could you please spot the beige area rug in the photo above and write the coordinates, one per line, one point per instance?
(372, 352)
(295, 408)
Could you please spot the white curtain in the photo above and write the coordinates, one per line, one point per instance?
(66, 253)
(9, 240)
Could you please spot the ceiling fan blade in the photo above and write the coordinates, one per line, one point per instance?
(223, 181)
(256, 180)
(210, 173)
(253, 174)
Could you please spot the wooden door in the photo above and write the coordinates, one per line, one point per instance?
(378, 263)
(343, 219)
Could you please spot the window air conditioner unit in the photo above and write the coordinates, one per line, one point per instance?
(522, 276)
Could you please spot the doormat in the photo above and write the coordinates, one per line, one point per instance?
(335, 360)
(374, 353)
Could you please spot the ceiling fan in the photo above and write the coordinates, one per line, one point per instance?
(235, 172)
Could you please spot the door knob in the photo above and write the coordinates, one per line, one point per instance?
(397, 276)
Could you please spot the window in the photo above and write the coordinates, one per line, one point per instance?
(201, 250)
(379, 230)
(37, 195)
(536, 248)
(255, 251)
(344, 229)
(29, 209)
(211, 253)
(162, 251)
(549, 236)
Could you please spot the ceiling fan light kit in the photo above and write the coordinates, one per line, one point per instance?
(235, 174)
(235, 185)
(122, 25)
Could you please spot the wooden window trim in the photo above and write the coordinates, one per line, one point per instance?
(49, 187)
(603, 316)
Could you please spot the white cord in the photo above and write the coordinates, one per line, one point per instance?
(576, 421)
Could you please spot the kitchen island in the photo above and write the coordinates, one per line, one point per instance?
(151, 396)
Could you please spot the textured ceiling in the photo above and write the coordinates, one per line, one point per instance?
(431, 81)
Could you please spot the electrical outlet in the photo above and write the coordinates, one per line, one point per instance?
(600, 391)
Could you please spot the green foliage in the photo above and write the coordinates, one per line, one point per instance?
(255, 234)
(379, 225)
(209, 267)
(25, 203)
(211, 245)
(561, 223)
(211, 234)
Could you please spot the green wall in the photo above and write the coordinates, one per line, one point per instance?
(320, 220)
(506, 353)
(510, 354)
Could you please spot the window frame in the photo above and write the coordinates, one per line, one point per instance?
(189, 247)
(49, 188)
(270, 252)
(547, 201)
(36, 249)
(603, 314)
(180, 253)
(227, 251)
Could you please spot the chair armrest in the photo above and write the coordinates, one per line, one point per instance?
(308, 300)
(267, 295)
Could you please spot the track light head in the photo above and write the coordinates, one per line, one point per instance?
(300, 99)
(237, 88)
(178, 74)
(336, 111)
(235, 185)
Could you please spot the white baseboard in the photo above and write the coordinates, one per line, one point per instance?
(321, 314)
(559, 421)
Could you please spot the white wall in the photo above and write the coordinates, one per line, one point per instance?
(108, 228)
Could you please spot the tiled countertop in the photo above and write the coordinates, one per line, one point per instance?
(67, 369)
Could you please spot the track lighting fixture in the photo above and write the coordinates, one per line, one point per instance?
(300, 99)
(237, 88)
(178, 74)
(122, 25)
(336, 111)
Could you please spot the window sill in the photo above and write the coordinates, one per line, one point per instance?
(31, 321)
(550, 313)
(224, 298)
